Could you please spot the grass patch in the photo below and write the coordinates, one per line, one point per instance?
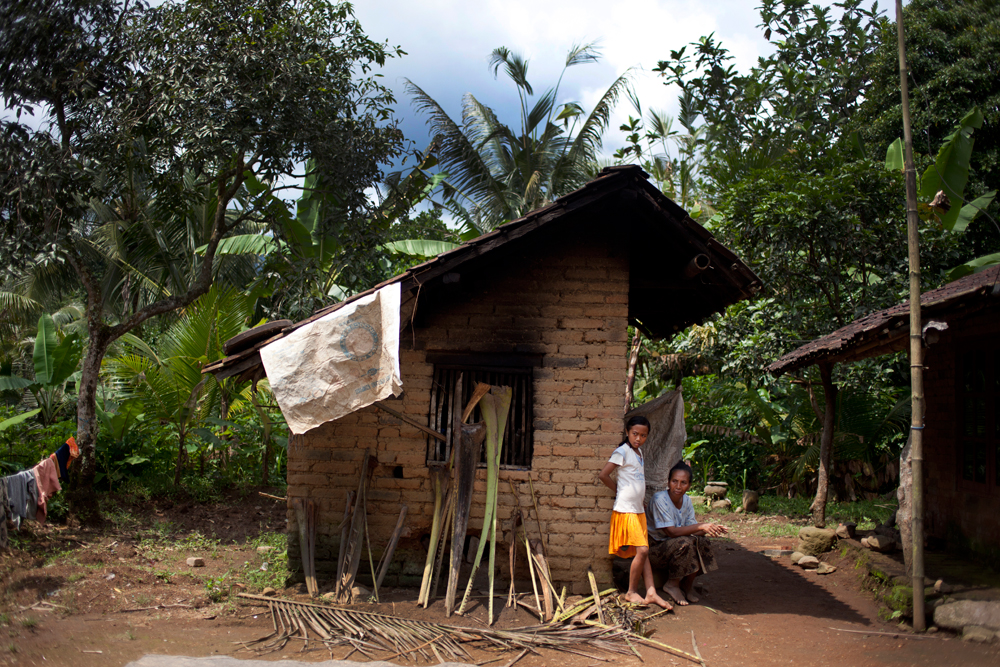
(269, 568)
(865, 513)
(29, 622)
(778, 530)
(75, 577)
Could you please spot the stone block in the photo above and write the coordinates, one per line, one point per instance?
(815, 541)
(961, 613)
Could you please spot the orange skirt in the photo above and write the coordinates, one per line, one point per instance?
(628, 531)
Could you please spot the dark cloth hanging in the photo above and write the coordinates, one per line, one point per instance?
(22, 493)
(5, 513)
(64, 456)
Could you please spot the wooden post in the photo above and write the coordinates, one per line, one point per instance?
(818, 507)
(916, 340)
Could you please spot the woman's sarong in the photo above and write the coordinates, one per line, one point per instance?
(679, 557)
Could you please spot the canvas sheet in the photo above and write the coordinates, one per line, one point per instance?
(340, 363)
(667, 437)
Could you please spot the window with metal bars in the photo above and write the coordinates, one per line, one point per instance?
(979, 398)
(517, 440)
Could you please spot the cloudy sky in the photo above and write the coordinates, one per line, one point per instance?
(449, 43)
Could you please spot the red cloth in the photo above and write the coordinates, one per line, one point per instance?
(47, 481)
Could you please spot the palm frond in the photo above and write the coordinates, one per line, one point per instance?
(515, 65)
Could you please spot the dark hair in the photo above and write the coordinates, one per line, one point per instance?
(637, 420)
(683, 467)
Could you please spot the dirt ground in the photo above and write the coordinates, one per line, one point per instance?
(83, 598)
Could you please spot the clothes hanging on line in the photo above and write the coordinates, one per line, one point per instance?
(5, 513)
(65, 455)
(22, 493)
(47, 481)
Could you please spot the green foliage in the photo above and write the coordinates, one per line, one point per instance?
(951, 46)
(496, 173)
(269, 568)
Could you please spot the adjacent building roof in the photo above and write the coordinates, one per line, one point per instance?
(679, 274)
(888, 330)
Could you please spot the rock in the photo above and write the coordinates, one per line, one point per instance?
(847, 531)
(881, 543)
(715, 490)
(808, 562)
(196, 562)
(943, 588)
(264, 550)
(778, 553)
(826, 568)
(360, 593)
(961, 613)
(864, 542)
(815, 541)
(751, 501)
(977, 633)
(721, 504)
(797, 556)
(269, 592)
(698, 500)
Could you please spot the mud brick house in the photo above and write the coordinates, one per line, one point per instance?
(541, 304)
(962, 392)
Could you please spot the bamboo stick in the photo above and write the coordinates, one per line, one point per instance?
(597, 596)
(409, 420)
(538, 516)
(438, 475)
(391, 549)
(345, 528)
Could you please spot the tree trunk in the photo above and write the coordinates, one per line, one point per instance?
(818, 507)
(265, 459)
(82, 501)
(180, 460)
(633, 359)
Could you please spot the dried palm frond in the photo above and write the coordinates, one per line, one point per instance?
(368, 631)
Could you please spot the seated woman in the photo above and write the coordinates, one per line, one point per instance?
(678, 544)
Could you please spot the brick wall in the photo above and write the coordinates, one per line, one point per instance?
(950, 503)
(562, 300)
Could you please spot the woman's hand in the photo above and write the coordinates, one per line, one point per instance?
(714, 529)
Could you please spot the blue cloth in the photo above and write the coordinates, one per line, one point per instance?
(664, 514)
(62, 458)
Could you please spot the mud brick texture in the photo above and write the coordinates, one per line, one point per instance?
(563, 314)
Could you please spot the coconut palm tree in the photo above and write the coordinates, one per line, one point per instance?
(497, 173)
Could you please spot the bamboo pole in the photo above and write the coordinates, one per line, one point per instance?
(916, 349)
(633, 359)
(391, 549)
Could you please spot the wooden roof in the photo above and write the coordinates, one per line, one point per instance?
(662, 300)
(888, 330)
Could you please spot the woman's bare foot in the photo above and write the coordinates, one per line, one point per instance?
(635, 598)
(687, 587)
(676, 593)
(653, 598)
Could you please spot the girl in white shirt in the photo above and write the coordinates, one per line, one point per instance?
(628, 518)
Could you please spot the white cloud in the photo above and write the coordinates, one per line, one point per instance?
(449, 43)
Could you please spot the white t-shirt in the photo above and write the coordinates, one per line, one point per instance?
(631, 480)
(664, 514)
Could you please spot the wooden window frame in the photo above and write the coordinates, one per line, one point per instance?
(518, 441)
(974, 448)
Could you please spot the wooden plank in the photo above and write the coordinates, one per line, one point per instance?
(249, 337)
(412, 422)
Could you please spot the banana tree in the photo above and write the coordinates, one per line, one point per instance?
(171, 386)
(55, 363)
(942, 187)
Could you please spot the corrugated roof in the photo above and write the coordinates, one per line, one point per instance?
(888, 330)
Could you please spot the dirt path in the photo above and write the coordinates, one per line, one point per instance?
(757, 611)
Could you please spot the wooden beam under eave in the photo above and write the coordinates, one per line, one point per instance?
(240, 367)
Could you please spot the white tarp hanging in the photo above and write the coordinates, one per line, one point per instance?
(340, 363)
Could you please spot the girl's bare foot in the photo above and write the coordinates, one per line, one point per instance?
(653, 598)
(635, 598)
(676, 593)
